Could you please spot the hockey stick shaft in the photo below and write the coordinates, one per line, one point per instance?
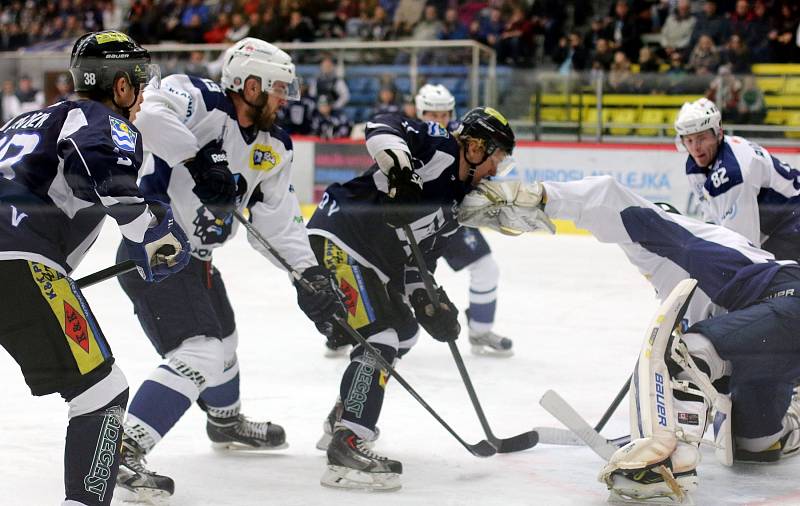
(481, 449)
(513, 444)
(107, 273)
(614, 405)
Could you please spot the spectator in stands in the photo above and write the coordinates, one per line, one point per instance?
(13, 37)
(725, 91)
(620, 77)
(168, 19)
(705, 57)
(711, 23)
(193, 32)
(659, 12)
(143, 21)
(429, 26)
(329, 123)
(379, 26)
(387, 101)
(409, 108)
(603, 56)
(452, 28)
(219, 29)
(238, 29)
(406, 16)
(196, 65)
(571, 55)
(471, 10)
(271, 26)
(757, 36)
(64, 89)
(676, 34)
(597, 30)
(195, 8)
(9, 103)
(30, 98)
(111, 15)
(299, 29)
(736, 55)
(515, 44)
(623, 31)
(492, 26)
(741, 18)
(648, 78)
(330, 84)
(676, 74)
(784, 37)
(752, 108)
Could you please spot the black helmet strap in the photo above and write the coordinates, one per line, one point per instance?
(473, 167)
(125, 110)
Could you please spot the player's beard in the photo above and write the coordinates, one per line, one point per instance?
(262, 115)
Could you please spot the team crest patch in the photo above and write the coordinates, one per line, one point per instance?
(122, 135)
(264, 158)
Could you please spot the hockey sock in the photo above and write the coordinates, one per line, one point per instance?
(222, 401)
(363, 387)
(484, 275)
(91, 453)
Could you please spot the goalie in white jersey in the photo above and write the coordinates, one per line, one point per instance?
(739, 335)
(738, 183)
(215, 150)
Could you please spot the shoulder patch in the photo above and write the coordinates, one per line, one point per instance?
(436, 130)
(122, 135)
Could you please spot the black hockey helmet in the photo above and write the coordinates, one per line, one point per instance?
(99, 58)
(489, 125)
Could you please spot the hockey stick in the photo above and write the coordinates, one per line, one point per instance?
(107, 273)
(482, 448)
(513, 444)
(560, 409)
(557, 436)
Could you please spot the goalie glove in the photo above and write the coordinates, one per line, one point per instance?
(404, 186)
(508, 207)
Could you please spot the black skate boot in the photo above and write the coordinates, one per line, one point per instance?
(352, 465)
(330, 421)
(239, 433)
(139, 483)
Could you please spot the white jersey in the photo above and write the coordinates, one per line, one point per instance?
(747, 190)
(185, 114)
(667, 248)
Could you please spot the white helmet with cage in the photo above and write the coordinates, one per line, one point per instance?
(434, 97)
(251, 57)
(698, 116)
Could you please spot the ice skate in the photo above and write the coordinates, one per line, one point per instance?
(352, 465)
(239, 433)
(489, 343)
(138, 483)
(330, 421)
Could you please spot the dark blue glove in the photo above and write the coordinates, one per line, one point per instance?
(442, 322)
(214, 184)
(164, 249)
(323, 302)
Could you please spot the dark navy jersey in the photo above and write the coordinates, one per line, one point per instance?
(64, 168)
(352, 214)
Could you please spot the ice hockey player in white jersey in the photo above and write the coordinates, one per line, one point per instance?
(467, 248)
(738, 183)
(215, 149)
(63, 169)
(750, 296)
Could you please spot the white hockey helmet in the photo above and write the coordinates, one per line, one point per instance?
(698, 116)
(434, 97)
(256, 58)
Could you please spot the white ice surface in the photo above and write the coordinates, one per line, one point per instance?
(575, 308)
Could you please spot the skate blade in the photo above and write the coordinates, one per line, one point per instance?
(234, 446)
(150, 496)
(324, 442)
(616, 498)
(352, 479)
(488, 351)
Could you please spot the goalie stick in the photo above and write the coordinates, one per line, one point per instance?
(482, 448)
(516, 443)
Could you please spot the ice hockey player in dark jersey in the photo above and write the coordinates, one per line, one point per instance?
(64, 168)
(422, 172)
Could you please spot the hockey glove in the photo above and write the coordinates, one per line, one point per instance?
(323, 302)
(442, 323)
(404, 187)
(165, 248)
(509, 207)
(214, 184)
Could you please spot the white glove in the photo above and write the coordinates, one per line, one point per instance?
(509, 207)
(389, 159)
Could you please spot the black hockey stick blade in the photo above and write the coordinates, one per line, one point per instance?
(517, 443)
(483, 448)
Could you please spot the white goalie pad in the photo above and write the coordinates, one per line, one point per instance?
(508, 207)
